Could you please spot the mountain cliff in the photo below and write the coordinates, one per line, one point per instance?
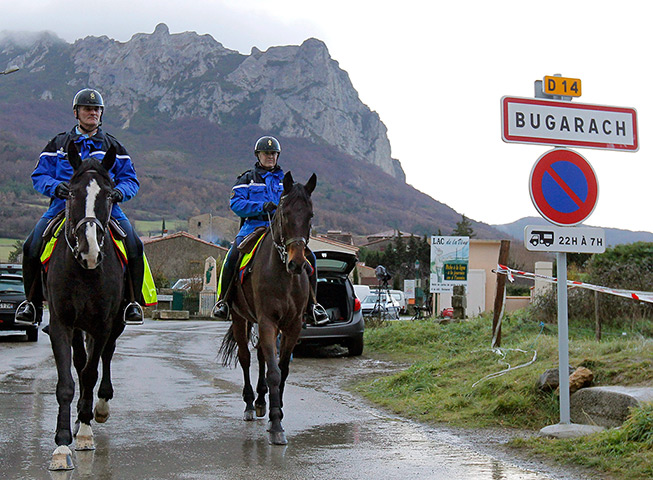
(295, 91)
(189, 111)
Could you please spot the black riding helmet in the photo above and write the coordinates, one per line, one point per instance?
(267, 144)
(88, 97)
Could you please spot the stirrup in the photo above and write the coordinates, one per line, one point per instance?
(318, 311)
(218, 304)
(132, 322)
(25, 303)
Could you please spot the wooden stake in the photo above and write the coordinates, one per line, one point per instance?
(498, 296)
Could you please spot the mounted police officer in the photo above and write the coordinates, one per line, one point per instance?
(50, 177)
(254, 198)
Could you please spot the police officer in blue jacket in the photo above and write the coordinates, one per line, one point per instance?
(51, 176)
(254, 198)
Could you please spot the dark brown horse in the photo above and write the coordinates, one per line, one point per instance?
(84, 289)
(274, 295)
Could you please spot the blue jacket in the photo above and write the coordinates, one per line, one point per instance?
(252, 189)
(53, 168)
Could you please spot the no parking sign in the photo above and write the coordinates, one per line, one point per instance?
(563, 187)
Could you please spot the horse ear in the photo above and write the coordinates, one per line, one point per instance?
(288, 182)
(73, 155)
(109, 158)
(310, 185)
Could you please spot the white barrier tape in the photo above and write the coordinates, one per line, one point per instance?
(632, 294)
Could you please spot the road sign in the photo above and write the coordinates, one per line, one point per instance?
(551, 238)
(568, 87)
(563, 187)
(551, 122)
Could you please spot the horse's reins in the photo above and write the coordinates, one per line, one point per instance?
(282, 245)
(84, 221)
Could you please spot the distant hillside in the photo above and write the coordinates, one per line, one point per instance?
(189, 111)
(613, 236)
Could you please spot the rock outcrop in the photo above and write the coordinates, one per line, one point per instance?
(292, 91)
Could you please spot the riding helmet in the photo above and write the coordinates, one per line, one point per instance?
(267, 144)
(89, 98)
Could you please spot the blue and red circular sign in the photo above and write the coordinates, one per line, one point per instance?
(563, 187)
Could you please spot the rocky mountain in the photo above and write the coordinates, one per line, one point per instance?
(189, 111)
(296, 91)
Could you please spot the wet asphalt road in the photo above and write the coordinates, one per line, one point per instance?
(177, 415)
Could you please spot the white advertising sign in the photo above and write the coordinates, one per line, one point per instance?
(409, 289)
(553, 238)
(449, 263)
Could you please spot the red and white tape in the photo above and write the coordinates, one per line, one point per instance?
(632, 294)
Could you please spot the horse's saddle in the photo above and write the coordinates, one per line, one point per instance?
(250, 241)
(247, 249)
(53, 227)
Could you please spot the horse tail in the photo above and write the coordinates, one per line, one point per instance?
(229, 348)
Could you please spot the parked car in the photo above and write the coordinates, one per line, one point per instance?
(336, 294)
(400, 297)
(361, 291)
(12, 294)
(382, 303)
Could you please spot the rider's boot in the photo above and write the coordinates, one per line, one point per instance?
(222, 306)
(315, 313)
(30, 311)
(133, 314)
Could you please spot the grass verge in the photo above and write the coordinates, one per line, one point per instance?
(452, 377)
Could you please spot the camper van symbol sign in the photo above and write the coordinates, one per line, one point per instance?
(539, 238)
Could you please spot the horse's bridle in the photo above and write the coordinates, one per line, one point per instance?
(282, 245)
(68, 228)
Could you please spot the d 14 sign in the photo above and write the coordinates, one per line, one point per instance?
(563, 187)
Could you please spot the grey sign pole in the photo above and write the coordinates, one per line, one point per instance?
(563, 338)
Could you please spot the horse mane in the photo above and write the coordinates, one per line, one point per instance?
(91, 164)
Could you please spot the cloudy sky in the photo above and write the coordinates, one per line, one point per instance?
(435, 72)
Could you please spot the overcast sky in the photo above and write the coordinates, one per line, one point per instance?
(435, 72)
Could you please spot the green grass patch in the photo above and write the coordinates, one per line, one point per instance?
(451, 373)
(625, 453)
(145, 227)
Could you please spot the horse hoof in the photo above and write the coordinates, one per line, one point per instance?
(278, 438)
(248, 416)
(84, 438)
(62, 459)
(260, 411)
(101, 411)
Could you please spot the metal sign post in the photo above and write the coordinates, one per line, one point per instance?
(563, 185)
(563, 338)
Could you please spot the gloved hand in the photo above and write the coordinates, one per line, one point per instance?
(62, 190)
(116, 195)
(269, 207)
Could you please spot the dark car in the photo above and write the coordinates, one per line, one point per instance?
(12, 293)
(336, 294)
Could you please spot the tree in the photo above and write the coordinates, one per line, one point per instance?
(14, 255)
(464, 228)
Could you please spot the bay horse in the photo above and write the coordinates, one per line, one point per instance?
(84, 288)
(274, 294)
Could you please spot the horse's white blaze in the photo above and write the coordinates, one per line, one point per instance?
(93, 255)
